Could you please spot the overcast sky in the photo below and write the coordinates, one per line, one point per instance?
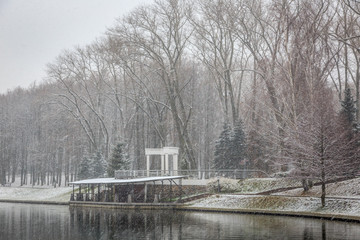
(34, 32)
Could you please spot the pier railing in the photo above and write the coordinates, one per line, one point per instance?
(194, 174)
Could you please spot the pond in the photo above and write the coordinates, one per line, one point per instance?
(25, 221)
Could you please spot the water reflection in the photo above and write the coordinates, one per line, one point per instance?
(21, 221)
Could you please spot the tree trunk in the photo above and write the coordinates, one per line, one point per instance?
(323, 194)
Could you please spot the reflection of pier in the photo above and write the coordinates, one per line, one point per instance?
(139, 190)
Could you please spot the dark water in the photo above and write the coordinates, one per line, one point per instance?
(23, 221)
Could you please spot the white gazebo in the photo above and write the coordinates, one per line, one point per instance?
(164, 153)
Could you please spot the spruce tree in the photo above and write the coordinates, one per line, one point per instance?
(348, 109)
(84, 170)
(237, 147)
(119, 160)
(98, 165)
(256, 150)
(222, 148)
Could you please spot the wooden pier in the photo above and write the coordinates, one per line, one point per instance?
(165, 189)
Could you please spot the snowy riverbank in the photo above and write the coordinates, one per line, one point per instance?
(279, 204)
(25, 193)
(343, 198)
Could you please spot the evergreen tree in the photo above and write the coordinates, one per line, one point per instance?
(119, 160)
(98, 165)
(348, 110)
(350, 129)
(84, 170)
(237, 147)
(256, 150)
(222, 148)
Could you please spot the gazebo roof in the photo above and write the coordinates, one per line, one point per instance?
(124, 181)
(162, 151)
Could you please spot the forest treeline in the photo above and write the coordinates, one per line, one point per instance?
(172, 73)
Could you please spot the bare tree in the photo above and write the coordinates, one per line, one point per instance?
(319, 146)
(347, 32)
(80, 76)
(160, 32)
(219, 48)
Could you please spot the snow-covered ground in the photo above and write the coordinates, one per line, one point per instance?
(280, 203)
(36, 192)
(343, 197)
(251, 185)
(59, 194)
(349, 188)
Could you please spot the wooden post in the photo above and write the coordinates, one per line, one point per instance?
(162, 189)
(170, 189)
(72, 197)
(145, 192)
(132, 193)
(114, 193)
(154, 190)
(79, 198)
(87, 193)
(107, 193)
(156, 196)
(180, 186)
(99, 192)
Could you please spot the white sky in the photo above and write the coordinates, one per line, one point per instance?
(34, 32)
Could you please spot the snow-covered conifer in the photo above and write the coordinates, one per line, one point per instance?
(348, 110)
(98, 165)
(119, 160)
(84, 170)
(222, 148)
(237, 147)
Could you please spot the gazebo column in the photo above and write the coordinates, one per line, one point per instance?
(175, 164)
(166, 163)
(148, 165)
(162, 164)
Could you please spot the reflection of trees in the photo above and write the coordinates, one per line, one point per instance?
(97, 223)
(308, 233)
(54, 222)
(132, 224)
(243, 226)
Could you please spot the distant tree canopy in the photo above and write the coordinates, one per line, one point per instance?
(172, 72)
